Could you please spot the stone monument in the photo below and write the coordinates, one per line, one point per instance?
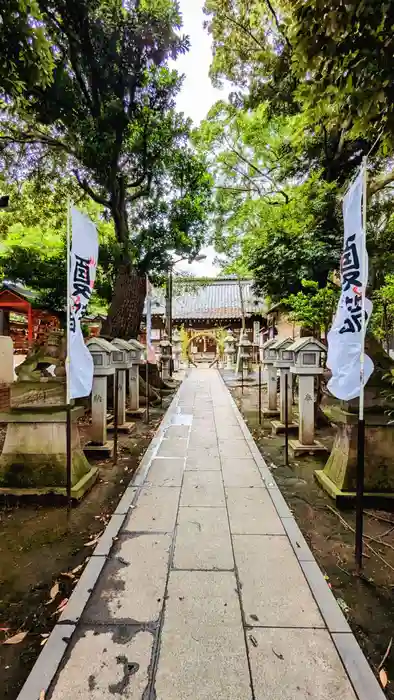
(122, 361)
(34, 457)
(269, 356)
(283, 362)
(246, 354)
(101, 351)
(137, 355)
(229, 350)
(176, 349)
(165, 356)
(307, 365)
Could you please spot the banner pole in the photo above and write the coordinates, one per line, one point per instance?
(147, 389)
(116, 411)
(286, 421)
(259, 393)
(361, 420)
(68, 363)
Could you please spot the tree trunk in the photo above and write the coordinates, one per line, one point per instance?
(127, 305)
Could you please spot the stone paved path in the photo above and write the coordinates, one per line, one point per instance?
(206, 593)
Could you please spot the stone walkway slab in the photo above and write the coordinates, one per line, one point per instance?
(296, 665)
(203, 539)
(273, 586)
(202, 586)
(202, 488)
(203, 651)
(251, 512)
(155, 510)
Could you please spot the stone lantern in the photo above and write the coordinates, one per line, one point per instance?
(284, 360)
(229, 350)
(176, 348)
(101, 351)
(137, 358)
(165, 356)
(122, 358)
(269, 358)
(246, 353)
(307, 366)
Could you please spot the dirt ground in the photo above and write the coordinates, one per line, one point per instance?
(367, 602)
(38, 544)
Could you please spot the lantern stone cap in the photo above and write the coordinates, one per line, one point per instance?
(282, 343)
(100, 344)
(165, 343)
(122, 344)
(310, 342)
(136, 344)
(268, 343)
(176, 335)
(244, 340)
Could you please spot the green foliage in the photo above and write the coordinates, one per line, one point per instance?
(108, 112)
(382, 322)
(313, 307)
(33, 247)
(297, 127)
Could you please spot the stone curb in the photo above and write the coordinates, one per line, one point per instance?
(49, 660)
(360, 674)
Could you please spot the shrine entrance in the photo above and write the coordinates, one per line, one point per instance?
(202, 346)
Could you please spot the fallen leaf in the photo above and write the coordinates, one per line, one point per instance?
(53, 593)
(68, 575)
(61, 607)
(42, 695)
(77, 569)
(383, 677)
(16, 639)
(94, 541)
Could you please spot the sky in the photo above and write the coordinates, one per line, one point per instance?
(197, 96)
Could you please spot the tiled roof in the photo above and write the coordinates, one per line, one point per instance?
(216, 299)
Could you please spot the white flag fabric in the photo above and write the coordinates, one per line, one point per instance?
(83, 266)
(345, 336)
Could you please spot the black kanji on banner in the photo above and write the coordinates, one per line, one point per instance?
(350, 265)
(81, 281)
(352, 324)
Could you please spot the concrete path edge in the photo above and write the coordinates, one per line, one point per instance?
(49, 660)
(360, 674)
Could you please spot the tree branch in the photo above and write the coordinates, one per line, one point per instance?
(244, 29)
(271, 9)
(380, 183)
(86, 188)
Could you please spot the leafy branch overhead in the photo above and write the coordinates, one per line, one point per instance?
(101, 101)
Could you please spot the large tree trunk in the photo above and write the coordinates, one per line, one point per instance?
(127, 305)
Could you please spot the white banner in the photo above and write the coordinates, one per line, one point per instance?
(83, 266)
(345, 337)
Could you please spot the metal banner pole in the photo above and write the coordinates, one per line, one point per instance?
(286, 421)
(259, 394)
(361, 421)
(116, 408)
(68, 365)
(147, 390)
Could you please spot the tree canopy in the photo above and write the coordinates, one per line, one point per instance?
(311, 97)
(106, 109)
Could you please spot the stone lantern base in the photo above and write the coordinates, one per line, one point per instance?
(298, 449)
(279, 427)
(338, 477)
(33, 460)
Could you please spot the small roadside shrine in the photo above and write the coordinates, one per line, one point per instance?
(21, 320)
